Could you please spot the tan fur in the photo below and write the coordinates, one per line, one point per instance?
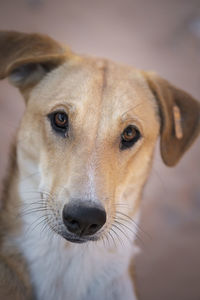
(101, 99)
(14, 278)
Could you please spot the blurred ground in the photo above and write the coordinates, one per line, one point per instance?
(158, 35)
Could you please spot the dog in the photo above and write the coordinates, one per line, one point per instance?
(80, 160)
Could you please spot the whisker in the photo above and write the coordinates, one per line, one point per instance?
(46, 193)
(106, 235)
(118, 236)
(112, 239)
(136, 234)
(135, 224)
(28, 212)
(120, 223)
(43, 217)
(120, 229)
(103, 240)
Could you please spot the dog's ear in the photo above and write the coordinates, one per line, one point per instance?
(26, 58)
(180, 118)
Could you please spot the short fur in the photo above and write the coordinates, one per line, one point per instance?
(47, 171)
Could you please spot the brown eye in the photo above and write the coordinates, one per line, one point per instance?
(60, 119)
(59, 122)
(129, 137)
(129, 133)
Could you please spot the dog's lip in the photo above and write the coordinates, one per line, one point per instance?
(75, 240)
(78, 239)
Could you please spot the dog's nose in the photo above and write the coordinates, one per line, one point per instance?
(83, 220)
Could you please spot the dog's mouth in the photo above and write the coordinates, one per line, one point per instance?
(73, 238)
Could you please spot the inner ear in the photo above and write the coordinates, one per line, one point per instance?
(30, 74)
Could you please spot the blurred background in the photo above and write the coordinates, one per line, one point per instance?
(157, 35)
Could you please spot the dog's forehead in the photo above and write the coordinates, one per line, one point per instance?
(97, 88)
(125, 93)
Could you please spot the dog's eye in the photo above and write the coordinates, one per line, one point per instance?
(59, 121)
(129, 137)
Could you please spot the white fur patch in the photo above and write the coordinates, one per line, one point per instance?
(85, 272)
(62, 270)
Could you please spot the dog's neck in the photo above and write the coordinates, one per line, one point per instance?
(59, 266)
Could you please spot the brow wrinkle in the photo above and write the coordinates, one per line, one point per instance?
(132, 108)
(104, 75)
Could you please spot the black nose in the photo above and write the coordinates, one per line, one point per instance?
(83, 220)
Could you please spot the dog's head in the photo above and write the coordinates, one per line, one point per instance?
(89, 132)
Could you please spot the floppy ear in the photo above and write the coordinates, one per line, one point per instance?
(26, 58)
(180, 118)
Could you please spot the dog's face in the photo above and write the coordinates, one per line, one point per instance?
(89, 131)
(92, 131)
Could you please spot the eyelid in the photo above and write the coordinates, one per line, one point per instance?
(58, 109)
(130, 120)
(66, 107)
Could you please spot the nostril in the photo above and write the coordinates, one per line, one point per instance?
(73, 222)
(73, 226)
(93, 228)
